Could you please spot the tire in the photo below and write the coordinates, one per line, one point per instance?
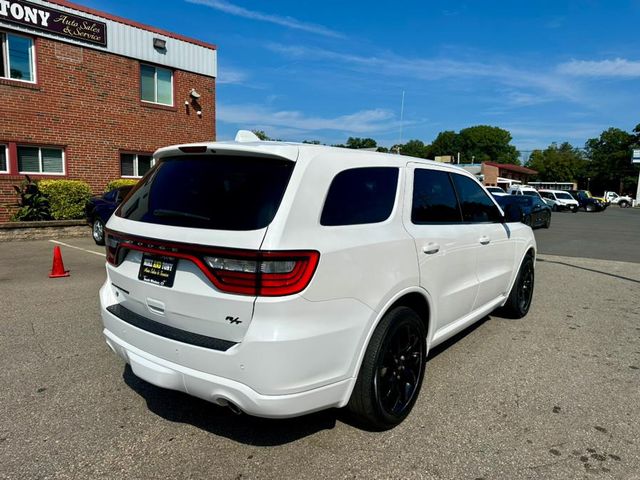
(527, 220)
(589, 208)
(574, 209)
(519, 300)
(392, 371)
(555, 207)
(624, 204)
(547, 222)
(97, 231)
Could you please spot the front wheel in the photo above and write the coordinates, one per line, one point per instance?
(392, 371)
(624, 204)
(519, 300)
(97, 231)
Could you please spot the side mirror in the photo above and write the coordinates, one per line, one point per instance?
(512, 213)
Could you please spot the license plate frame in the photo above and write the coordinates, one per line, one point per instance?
(158, 269)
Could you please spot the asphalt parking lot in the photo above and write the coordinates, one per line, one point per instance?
(554, 395)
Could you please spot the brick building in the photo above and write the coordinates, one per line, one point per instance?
(90, 96)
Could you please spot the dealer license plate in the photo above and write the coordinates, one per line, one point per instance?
(158, 270)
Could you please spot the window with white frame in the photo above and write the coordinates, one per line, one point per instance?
(156, 85)
(40, 160)
(16, 57)
(135, 164)
(4, 159)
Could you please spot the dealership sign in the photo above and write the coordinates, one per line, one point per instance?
(636, 156)
(54, 21)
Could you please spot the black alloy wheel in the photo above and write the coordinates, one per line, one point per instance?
(399, 369)
(525, 286)
(392, 371)
(519, 301)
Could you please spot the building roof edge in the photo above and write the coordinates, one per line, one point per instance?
(115, 18)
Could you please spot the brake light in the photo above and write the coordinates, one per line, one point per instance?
(243, 272)
(194, 149)
(268, 274)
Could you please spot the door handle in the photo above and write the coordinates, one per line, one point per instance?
(431, 248)
(484, 240)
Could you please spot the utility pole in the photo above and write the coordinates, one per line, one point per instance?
(401, 121)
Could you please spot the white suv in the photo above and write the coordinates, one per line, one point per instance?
(280, 279)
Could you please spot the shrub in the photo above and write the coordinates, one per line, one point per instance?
(121, 182)
(33, 204)
(67, 198)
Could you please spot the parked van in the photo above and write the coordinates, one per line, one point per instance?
(563, 199)
(280, 279)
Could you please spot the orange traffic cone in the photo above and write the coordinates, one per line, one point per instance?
(57, 270)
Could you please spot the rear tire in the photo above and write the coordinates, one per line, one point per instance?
(547, 222)
(392, 371)
(624, 204)
(519, 300)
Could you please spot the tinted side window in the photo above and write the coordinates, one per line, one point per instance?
(360, 195)
(434, 199)
(476, 205)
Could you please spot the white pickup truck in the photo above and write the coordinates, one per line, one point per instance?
(615, 199)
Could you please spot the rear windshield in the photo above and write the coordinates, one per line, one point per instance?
(210, 191)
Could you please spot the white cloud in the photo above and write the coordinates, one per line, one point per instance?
(618, 67)
(227, 75)
(283, 21)
(258, 116)
(432, 69)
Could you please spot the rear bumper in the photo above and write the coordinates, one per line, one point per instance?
(223, 391)
(296, 357)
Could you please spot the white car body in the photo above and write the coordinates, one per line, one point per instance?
(562, 198)
(283, 356)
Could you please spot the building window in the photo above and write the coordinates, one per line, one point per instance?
(135, 165)
(16, 57)
(156, 85)
(4, 163)
(40, 160)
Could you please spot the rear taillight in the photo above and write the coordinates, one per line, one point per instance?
(244, 272)
(268, 274)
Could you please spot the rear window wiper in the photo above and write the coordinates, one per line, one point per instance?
(177, 213)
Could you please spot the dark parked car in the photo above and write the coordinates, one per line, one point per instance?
(586, 201)
(99, 209)
(535, 212)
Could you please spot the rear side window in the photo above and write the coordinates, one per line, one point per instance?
(476, 205)
(434, 199)
(360, 195)
(210, 191)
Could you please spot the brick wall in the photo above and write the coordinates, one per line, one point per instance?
(88, 102)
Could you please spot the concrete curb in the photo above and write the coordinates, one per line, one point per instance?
(13, 231)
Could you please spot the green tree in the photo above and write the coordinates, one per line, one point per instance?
(357, 142)
(555, 163)
(413, 148)
(483, 143)
(609, 156)
(446, 143)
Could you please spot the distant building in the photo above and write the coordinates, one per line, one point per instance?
(504, 175)
(89, 96)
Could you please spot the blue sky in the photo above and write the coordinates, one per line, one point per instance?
(547, 71)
